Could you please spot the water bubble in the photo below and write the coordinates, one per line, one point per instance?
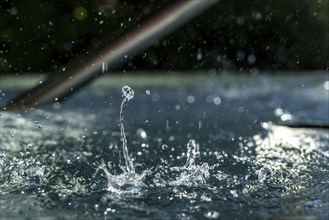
(148, 92)
(128, 92)
(29, 146)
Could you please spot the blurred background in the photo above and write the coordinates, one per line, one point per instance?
(240, 36)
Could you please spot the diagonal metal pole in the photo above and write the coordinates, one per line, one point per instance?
(83, 69)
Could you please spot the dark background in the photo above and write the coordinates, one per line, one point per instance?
(240, 36)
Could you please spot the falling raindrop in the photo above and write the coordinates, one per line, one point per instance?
(105, 67)
(199, 55)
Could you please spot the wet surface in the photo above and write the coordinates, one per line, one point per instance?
(50, 158)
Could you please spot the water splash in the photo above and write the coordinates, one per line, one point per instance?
(128, 94)
(190, 174)
(128, 182)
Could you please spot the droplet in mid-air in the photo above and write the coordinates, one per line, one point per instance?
(262, 174)
(128, 92)
(191, 153)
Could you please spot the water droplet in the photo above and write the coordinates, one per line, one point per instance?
(234, 193)
(286, 117)
(105, 67)
(217, 101)
(128, 92)
(212, 214)
(326, 85)
(190, 99)
(251, 59)
(262, 174)
(191, 153)
(29, 146)
(164, 147)
(177, 107)
(199, 55)
(141, 133)
(148, 92)
(167, 124)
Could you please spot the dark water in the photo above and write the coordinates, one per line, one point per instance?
(50, 158)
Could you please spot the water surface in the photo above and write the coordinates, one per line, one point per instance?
(50, 158)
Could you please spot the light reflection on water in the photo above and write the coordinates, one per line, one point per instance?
(256, 168)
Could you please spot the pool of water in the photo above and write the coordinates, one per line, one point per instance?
(246, 164)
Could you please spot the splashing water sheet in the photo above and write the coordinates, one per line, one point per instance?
(203, 148)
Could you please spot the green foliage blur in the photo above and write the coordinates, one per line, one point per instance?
(42, 35)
